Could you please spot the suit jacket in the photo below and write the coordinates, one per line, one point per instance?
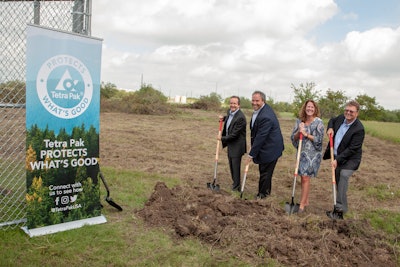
(266, 137)
(349, 151)
(236, 138)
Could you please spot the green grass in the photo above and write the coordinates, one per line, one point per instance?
(383, 192)
(123, 241)
(385, 220)
(286, 115)
(135, 187)
(384, 130)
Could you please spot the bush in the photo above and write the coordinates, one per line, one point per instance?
(210, 102)
(13, 92)
(108, 90)
(145, 101)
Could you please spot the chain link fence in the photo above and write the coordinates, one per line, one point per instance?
(72, 16)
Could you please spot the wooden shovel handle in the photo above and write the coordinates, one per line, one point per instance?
(221, 121)
(332, 157)
(246, 169)
(296, 171)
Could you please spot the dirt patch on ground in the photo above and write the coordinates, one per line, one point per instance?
(183, 146)
(254, 230)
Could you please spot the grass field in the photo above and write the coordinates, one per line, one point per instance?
(384, 130)
(138, 151)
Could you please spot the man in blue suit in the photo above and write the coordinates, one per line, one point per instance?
(266, 142)
(348, 136)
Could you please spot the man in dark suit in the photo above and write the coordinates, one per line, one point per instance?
(266, 142)
(234, 137)
(348, 136)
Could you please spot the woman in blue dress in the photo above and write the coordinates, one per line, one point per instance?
(312, 128)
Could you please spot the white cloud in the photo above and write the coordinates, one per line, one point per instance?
(195, 47)
(372, 45)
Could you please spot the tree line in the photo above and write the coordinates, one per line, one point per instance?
(331, 103)
(147, 100)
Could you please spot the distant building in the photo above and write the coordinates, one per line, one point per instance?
(179, 99)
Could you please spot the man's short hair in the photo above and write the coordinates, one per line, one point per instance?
(238, 98)
(261, 94)
(354, 104)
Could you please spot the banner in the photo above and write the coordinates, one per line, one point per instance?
(62, 124)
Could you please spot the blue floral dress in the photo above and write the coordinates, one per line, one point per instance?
(311, 151)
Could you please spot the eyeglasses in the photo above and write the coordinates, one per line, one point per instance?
(350, 111)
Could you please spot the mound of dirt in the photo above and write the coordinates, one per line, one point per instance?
(255, 230)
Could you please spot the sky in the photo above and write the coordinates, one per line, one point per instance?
(193, 48)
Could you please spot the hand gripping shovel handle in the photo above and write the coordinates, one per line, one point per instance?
(246, 169)
(333, 169)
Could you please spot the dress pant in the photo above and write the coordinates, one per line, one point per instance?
(265, 183)
(342, 184)
(234, 165)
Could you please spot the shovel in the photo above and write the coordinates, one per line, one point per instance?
(108, 198)
(291, 207)
(213, 185)
(333, 171)
(246, 169)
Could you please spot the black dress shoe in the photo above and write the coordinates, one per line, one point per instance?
(261, 196)
(335, 214)
(236, 188)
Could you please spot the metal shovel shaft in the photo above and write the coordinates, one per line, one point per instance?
(213, 185)
(246, 169)
(333, 170)
(294, 208)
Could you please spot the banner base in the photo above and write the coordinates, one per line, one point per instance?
(51, 229)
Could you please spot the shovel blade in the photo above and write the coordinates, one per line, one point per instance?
(112, 203)
(213, 186)
(291, 208)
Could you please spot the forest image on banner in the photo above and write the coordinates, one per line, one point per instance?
(61, 173)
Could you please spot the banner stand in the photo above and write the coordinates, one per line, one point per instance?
(62, 131)
(55, 228)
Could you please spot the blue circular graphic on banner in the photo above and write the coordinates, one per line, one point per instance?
(64, 86)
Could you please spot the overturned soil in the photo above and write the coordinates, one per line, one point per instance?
(257, 229)
(251, 230)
